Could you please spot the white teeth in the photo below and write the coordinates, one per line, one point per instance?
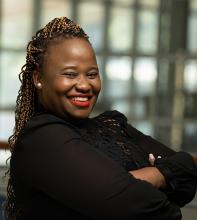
(81, 99)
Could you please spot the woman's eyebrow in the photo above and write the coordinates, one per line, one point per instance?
(69, 67)
(94, 68)
(75, 67)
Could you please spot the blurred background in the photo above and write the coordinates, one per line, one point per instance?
(147, 56)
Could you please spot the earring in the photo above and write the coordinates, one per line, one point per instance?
(39, 85)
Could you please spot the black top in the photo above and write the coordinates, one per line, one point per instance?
(63, 170)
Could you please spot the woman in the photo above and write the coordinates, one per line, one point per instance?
(65, 165)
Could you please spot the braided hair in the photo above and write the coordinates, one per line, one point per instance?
(26, 103)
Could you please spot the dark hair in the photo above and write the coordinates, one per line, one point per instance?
(26, 103)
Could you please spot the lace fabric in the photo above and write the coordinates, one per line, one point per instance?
(107, 132)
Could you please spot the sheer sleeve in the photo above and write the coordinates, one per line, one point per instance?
(181, 176)
(178, 168)
(54, 160)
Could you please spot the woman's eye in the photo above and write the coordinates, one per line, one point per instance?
(70, 74)
(92, 75)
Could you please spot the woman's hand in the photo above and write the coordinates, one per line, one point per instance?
(150, 174)
(151, 159)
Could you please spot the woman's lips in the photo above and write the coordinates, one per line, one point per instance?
(80, 101)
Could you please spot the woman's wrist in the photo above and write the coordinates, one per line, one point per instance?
(151, 175)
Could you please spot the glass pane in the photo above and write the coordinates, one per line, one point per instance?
(165, 34)
(145, 127)
(193, 5)
(123, 1)
(152, 3)
(161, 105)
(163, 69)
(138, 109)
(16, 22)
(190, 76)
(121, 105)
(192, 33)
(4, 155)
(6, 124)
(11, 64)
(52, 9)
(119, 73)
(191, 105)
(190, 137)
(147, 31)
(121, 22)
(145, 75)
(91, 18)
(163, 133)
(119, 68)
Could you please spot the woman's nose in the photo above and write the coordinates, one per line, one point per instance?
(83, 85)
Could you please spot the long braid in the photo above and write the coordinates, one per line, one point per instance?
(26, 103)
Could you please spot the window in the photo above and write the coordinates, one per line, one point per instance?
(145, 73)
(120, 28)
(90, 17)
(51, 9)
(16, 29)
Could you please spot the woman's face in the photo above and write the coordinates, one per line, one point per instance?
(69, 82)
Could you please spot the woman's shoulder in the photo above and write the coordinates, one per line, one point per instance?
(112, 116)
(47, 124)
(41, 120)
(47, 119)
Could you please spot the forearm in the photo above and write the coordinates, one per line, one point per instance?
(151, 175)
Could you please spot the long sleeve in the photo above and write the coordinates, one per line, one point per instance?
(53, 159)
(178, 168)
(181, 177)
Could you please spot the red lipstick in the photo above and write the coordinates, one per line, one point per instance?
(80, 100)
(80, 103)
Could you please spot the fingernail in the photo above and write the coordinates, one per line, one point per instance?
(151, 156)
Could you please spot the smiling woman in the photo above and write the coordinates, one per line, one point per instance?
(69, 79)
(65, 165)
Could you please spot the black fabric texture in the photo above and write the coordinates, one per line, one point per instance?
(77, 171)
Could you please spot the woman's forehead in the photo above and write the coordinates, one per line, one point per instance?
(71, 48)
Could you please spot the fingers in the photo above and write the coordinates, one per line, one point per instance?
(151, 159)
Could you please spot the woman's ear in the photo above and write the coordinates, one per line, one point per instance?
(37, 79)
